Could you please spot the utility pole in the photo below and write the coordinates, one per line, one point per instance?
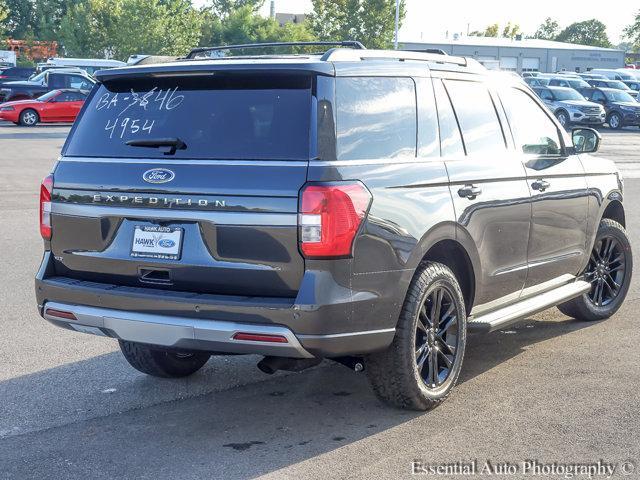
(272, 10)
(397, 23)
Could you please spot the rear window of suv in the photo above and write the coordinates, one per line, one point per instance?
(226, 117)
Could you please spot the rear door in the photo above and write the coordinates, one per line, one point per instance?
(215, 212)
(488, 187)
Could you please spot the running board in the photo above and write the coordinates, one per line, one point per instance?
(506, 316)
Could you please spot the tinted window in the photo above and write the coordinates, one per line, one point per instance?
(428, 145)
(376, 118)
(477, 117)
(598, 96)
(450, 138)
(70, 97)
(76, 81)
(533, 131)
(217, 118)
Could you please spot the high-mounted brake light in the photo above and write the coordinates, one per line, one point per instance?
(330, 216)
(45, 207)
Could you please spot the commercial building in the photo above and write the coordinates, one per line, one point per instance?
(525, 55)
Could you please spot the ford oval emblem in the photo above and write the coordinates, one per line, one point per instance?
(158, 175)
(167, 243)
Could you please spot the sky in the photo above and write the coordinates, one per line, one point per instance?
(431, 19)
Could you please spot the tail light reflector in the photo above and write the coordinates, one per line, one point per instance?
(45, 207)
(60, 314)
(330, 216)
(260, 337)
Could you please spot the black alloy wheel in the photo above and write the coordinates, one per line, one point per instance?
(436, 337)
(606, 271)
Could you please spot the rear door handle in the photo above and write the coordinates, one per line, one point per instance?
(540, 185)
(470, 192)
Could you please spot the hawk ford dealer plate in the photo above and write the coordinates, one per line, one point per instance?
(157, 242)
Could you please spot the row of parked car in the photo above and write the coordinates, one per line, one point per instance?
(54, 95)
(594, 98)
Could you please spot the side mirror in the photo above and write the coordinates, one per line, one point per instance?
(585, 140)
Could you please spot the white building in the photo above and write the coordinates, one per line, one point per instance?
(526, 54)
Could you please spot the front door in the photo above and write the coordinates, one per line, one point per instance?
(490, 193)
(557, 243)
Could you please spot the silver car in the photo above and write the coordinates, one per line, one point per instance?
(570, 107)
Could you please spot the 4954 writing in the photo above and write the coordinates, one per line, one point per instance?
(128, 126)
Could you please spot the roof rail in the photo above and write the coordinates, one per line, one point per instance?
(351, 55)
(352, 44)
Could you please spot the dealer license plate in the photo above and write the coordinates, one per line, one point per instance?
(157, 242)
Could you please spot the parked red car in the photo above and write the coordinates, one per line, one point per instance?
(55, 106)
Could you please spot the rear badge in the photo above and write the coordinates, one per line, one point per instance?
(158, 175)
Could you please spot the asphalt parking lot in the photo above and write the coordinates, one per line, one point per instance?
(550, 389)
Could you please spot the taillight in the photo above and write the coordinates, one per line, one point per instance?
(330, 216)
(45, 207)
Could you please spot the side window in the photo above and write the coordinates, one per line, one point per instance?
(533, 131)
(428, 145)
(598, 96)
(376, 117)
(450, 138)
(81, 83)
(477, 117)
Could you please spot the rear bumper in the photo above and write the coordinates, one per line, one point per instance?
(330, 325)
(174, 332)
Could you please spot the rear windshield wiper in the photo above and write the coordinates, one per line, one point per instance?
(168, 146)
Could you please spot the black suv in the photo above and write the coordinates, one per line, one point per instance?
(364, 206)
(622, 110)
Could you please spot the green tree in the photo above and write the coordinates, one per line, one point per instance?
(589, 32)
(243, 25)
(490, 31)
(36, 19)
(510, 31)
(548, 30)
(119, 28)
(371, 22)
(4, 15)
(632, 32)
(224, 8)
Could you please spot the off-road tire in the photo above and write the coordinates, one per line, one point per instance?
(393, 373)
(160, 362)
(582, 307)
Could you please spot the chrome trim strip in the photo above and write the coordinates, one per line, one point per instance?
(170, 331)
(219, 218)
(187, 161)
(506, 316)
(350, 334)
(538, 263)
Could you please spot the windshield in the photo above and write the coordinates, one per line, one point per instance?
(578, 83)
(48, 96)
(38, 78)
(223, 117)
(567, 95)
(619, 96)
(617, 84)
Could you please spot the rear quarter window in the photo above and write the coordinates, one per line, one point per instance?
(226, 117)
(376, 117)
(477, 117)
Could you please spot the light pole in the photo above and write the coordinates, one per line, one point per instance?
(397, 23)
